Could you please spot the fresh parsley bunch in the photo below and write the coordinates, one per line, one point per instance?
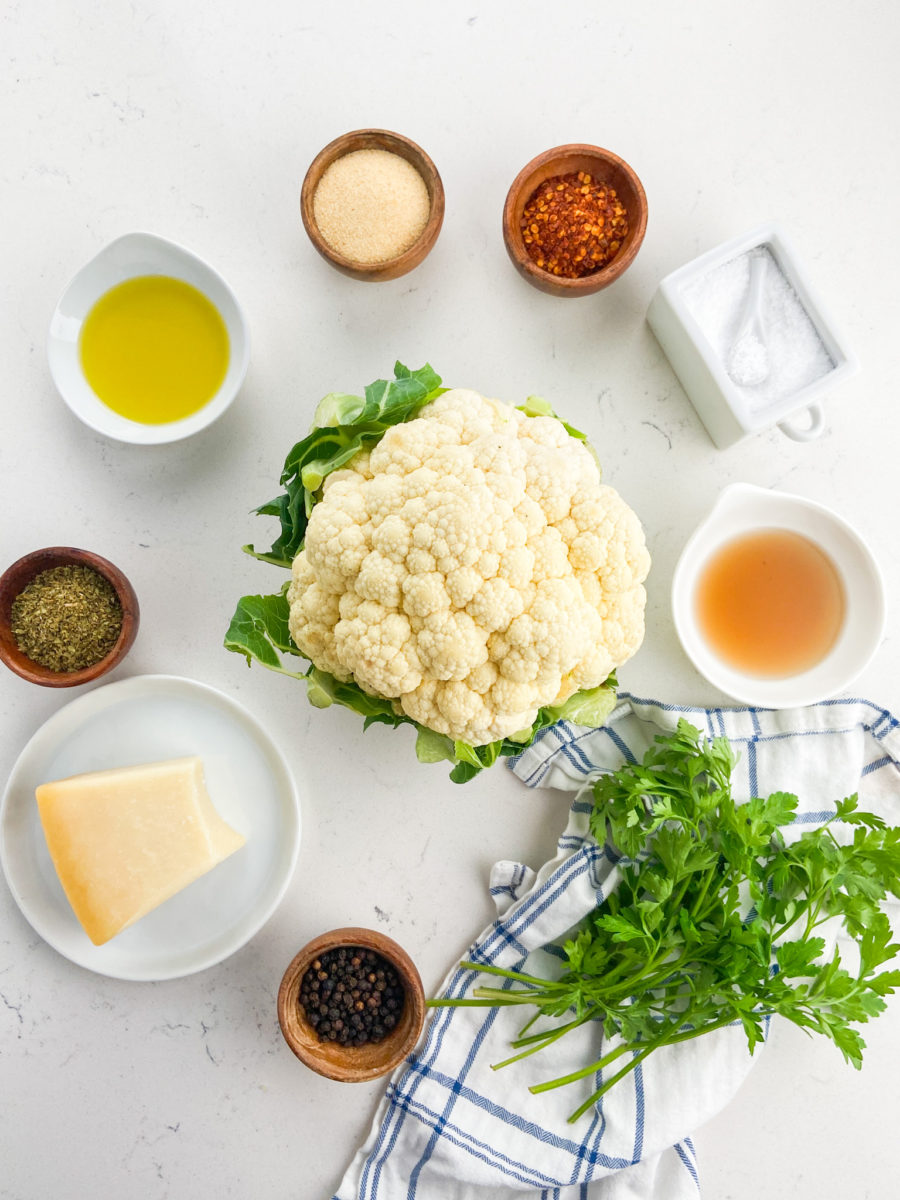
(716, 917)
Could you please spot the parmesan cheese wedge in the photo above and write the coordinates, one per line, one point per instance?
(125, 840)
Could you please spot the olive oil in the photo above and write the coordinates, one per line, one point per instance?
(770, 603)
(154, 349)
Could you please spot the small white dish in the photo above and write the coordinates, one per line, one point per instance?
(720, 403)
(742, 508)
(145, 719)
(127, 257)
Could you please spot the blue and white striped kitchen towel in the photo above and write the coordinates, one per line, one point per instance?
(450, 1128)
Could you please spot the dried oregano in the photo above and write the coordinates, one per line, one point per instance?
(67, 618)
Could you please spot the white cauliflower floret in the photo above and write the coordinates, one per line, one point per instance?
(472, 568)
(451, 645)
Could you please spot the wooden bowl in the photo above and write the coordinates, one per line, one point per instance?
(603, 166)
(17, 577)
(378, 139)
(351, 1064)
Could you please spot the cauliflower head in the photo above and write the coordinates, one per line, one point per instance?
(471, 568)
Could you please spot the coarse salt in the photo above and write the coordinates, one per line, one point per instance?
(797, 356)
(748, 364)
(371, 205)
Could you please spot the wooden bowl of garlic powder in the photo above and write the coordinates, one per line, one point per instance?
(372, 203)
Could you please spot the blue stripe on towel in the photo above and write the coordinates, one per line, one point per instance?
(751, 767)
(685, 1158)
(877, 764)
(537, 1132)
(638, 1076)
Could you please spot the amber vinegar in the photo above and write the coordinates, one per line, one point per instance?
(770, 603)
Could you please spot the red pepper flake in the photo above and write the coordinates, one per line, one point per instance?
(573, 226)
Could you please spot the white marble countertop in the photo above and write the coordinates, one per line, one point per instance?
(198, 121)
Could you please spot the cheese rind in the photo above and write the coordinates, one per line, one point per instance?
(125, 840)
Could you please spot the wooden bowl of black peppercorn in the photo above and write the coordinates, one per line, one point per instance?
(351, 1004)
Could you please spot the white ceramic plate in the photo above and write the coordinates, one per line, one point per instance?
(146, 719)
(128, 256)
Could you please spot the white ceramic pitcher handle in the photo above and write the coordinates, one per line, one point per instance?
(805, 433)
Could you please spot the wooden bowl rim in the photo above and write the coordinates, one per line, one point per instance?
(585, 285)
(16, 578)
(396, 1047)
(346, 143)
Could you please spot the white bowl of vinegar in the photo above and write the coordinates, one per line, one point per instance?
(777, 601)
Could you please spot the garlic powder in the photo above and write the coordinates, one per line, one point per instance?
(371, 205)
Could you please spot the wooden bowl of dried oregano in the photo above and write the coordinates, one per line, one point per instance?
(67, 616)
(574, 219)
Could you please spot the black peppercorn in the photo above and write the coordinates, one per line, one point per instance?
(351, 996)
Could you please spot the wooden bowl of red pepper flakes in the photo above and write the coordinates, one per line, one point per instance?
(574, 219)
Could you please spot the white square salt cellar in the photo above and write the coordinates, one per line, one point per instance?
(749, 339)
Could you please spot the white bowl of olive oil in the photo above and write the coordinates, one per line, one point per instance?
(777, 601)
(148, 343)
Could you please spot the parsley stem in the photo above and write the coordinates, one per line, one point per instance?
(710, 875)
(600, 1065)
(665, 972)
(546, 1039)
(626, 1070)
(548, 1033)
(464, 1001)
(489, 969)
(514, 995)
(676, 902)
(642, 1051)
